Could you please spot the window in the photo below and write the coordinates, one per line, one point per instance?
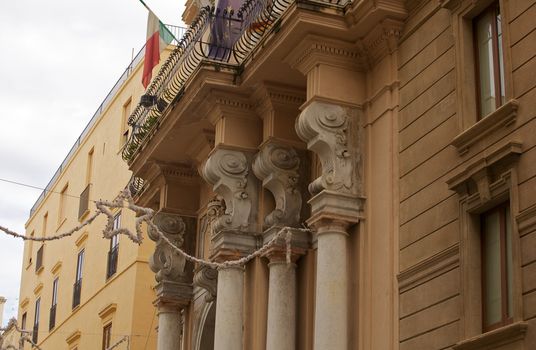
(106, 336)
(39, 258)
(63, 205)
(489, 60)
(30, 248)
(89, 167)
(114, 249)
(36, 320)
(23, 320)
(77, 287)
(497, 268)
(52, 321)
(125, 129)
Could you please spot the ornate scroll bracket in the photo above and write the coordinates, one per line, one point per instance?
(229, 172)
(166, 263)
(277, 166)
(332, 132)
(207, 278)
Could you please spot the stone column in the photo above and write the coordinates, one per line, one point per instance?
(277, 166)
(229, 171)
(174, 287)
(332, 132)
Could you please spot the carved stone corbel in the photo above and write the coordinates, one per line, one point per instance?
(166, 263)
(277, 166)
(229, 172)
(332, 132)
(207, 278)
(171, 269)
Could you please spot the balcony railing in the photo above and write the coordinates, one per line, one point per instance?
(218, 37)
(112, 261)
(177, 32)
(35, 333)
(84, 202)
(52, 320)
(77, 291)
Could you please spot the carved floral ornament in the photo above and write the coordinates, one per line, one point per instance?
(228, 171)
(207, 278)
(277, 166)
(166, 263)
(327, 129)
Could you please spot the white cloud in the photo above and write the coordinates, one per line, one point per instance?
(59, 60)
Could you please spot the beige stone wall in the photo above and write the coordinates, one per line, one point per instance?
(435, 294)
(126, 297)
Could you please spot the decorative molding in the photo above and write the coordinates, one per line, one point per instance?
(38, 288)
(73, 338)
(497, 338)
(429, 268)
(526, 220)
(81, 240)
(24, 303)
(228, 171)
(56, 268)
(499, 119)
(270, 96)
(165, 262)
(380, 41)
(107, 311)
(314, 50)
(207, 278)
(479, 175)
(333, 133)
(277, 166)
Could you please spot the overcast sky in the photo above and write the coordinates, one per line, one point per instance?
(58, 60)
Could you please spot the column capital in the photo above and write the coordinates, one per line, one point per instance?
(173, 295)
(329, 208)
(207, 278)
(277, 166)
(333, 132)
(228, 170)
(300, 242)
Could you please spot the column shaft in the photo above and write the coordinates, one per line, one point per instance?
(331, 313)
(281, 333)
(168, 328)
(229, 309)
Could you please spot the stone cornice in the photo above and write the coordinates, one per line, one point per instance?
(496, 339)
(225, 104)
(380, 41)
(272, 96)
(107, 311)
(314, 50)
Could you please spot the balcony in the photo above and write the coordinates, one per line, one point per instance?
(83, 208)
(77, 290)
(222, 38)
(112, 262)
(52, 320)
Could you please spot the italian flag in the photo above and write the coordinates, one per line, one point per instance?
(158, 38)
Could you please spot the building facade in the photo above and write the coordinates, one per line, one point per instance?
(399, 133)
(85, 291)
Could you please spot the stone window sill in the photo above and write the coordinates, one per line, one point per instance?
(495, 339)
(500, 118)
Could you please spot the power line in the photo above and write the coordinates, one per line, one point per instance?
(37, 188)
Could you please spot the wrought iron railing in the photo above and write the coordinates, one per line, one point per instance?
(52, 320)
(77, 291)
(177, 32)
(113, 255)
(246, 28)
(35, 333)
(84, 201)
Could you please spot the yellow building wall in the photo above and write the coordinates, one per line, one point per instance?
(125, 298)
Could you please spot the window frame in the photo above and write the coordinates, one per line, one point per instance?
(503, 210)
(495, 9)
(106, 335)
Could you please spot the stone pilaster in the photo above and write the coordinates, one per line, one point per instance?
(174, 286)
(228, 170)
(331, 130)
